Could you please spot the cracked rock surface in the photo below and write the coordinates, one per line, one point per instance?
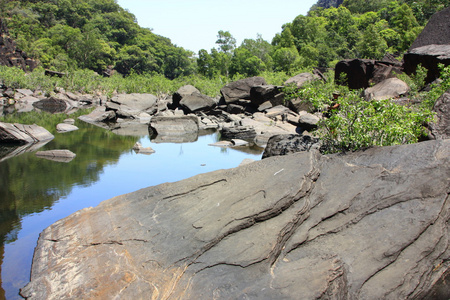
(368, 225)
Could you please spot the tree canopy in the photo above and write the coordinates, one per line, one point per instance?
(91, 34)
(97, 34)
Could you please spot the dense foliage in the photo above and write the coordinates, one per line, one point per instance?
(91, 34)
(352, 123)
(354, 29)
(95, 34)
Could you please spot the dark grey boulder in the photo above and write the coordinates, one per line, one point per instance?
(297, 105)
(367, 225)
(197, 102)
(51, 105)
(361, 73)
(20, 134)
(263, 93)
(436, 32)
(182, 92)
(238, 132)
(429, 57)
(240, 89)
(308, 121)
(440, 128)
(284, 144)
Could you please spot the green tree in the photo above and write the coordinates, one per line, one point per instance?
(134, 59)
(244, 63)
(226, 42)
(286, 60)
(372, 45)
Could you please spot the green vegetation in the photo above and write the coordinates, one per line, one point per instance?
(352, 123)
(84, 37)
(66, 35)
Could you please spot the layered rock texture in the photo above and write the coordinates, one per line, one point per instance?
(368, 225)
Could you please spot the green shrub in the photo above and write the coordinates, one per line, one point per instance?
(358, 124)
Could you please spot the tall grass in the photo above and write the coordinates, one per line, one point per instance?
(87, 81)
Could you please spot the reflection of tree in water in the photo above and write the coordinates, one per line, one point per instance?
(29, 184)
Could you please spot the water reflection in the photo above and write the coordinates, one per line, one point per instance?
(35, 192)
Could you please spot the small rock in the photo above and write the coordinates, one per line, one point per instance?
(239, 143)
(63, 127)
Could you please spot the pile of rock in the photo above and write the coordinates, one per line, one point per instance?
(60, 101)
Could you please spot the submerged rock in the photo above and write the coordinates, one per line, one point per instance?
(367, 225)
(57, 155)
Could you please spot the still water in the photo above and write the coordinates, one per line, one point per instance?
(35, 192)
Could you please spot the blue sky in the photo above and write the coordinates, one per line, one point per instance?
(193, 24)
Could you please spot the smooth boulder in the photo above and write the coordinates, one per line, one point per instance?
(367, 225)
(388, 89)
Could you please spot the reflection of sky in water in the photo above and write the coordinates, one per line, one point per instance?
(170, 162)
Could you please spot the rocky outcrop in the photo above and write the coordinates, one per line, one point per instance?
(20, 134)
(429, 57)
(10, 55)
(240, 89)
(431, 47)
(367, 225)
(436, 32)
(388, 89)
(440, 128)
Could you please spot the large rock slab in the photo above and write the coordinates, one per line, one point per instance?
(240, 89)
(368, 225)
(197, 102)
(23, 134)
(131, 105)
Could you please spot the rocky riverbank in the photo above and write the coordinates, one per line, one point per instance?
(369, 225)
